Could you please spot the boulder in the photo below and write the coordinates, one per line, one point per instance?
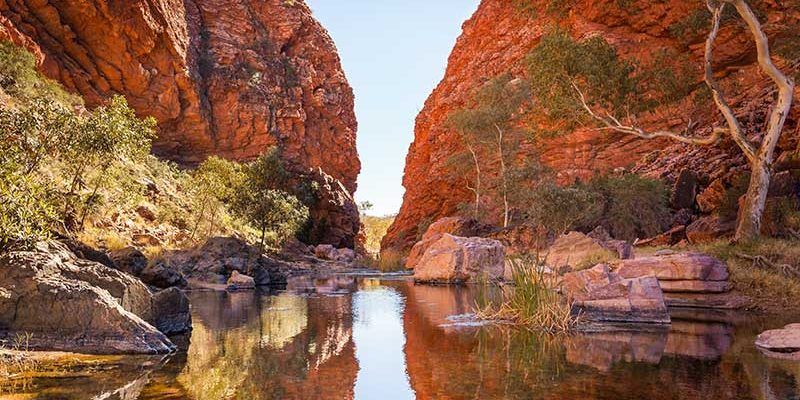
(345, 255)
(129, 259)
(579, 251)
(781, 343)
(456, 226)
(454, 259)
(685, 190)
(239, 281)
(710, 228)
(712, 197)
(522, 239)
(146, 239)
(70, 304)
(159, 275)
(599, 295)
(325, 252)
(171, 313)
(146, 212)
(676, 267)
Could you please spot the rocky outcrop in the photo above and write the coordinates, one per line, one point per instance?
(781, 343)
(226, 78)
(599, 295)
(500, 34)
(70, 304)
(453, 259)
(456, 226)
(211, 265)
(576, 250)
(687, 279)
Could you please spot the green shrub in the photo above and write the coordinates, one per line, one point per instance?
(633, 206)
(561, 209)
(21, 80)
(266, 208)
(26, 210)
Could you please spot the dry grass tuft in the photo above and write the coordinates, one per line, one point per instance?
(534, 301)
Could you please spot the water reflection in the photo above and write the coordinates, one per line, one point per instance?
(346, 337)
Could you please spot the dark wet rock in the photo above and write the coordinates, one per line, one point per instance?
(171, 312)
(599, 295)
(781, 343)
(685, 190)
(723, 301)
(159, 275)
(70, 304)
(696, 286)
(129, 260)
(454, 259)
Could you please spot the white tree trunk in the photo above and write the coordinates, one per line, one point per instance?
(752, 209)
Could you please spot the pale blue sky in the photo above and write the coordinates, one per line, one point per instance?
(394, 52)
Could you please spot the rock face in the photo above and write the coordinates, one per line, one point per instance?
(687, 279)
(498, 37)
(222, 77)
(600, 295)
(71, 304)
(455, 226)
(577, 251)
(781, 343)
(453, 259)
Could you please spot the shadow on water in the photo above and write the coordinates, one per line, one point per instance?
(357, 337)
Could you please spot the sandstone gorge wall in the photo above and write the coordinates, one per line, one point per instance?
(224, 77)
(499, 35)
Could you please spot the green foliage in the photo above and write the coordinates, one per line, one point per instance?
(561, 209)
(215, 184)
(20, 79)
(633, 206)
(558, 61)
(260, 202)
(26, 210)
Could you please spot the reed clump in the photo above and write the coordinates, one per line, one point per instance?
(533, 302)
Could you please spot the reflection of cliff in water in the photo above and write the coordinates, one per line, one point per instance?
(702, 355)
(249, 346)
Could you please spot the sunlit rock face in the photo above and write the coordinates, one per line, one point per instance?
(496, 40)
(222, 77)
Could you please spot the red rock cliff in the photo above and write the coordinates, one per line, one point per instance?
(224, 77)
(497, 38)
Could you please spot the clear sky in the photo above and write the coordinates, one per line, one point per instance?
(394, 53)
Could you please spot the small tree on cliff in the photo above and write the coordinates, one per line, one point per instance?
(261, 203)
(568, 77)
(487, 127)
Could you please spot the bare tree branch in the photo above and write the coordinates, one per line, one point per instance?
(785, 85)
(733, 123)
(612, 123)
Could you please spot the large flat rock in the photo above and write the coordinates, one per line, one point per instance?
(676, 267)
(453, 259)
(781, 343)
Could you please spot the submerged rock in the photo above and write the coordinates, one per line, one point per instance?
(66, 303)
(781, 343)
(600, 295)
(453, 259)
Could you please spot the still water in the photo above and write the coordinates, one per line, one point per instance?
(349, 337)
